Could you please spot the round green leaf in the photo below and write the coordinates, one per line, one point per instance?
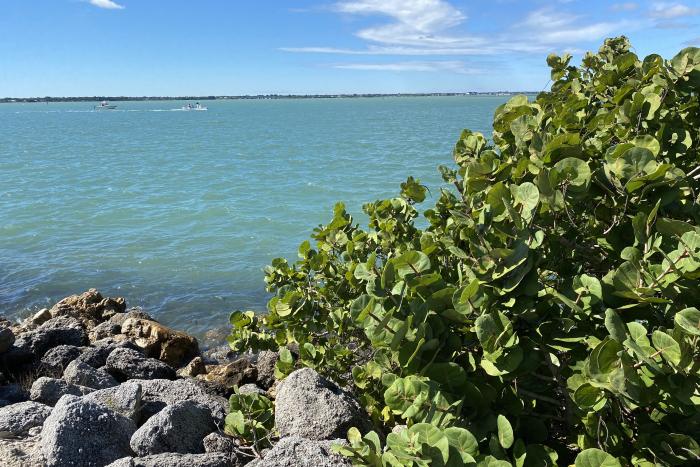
(593, 457)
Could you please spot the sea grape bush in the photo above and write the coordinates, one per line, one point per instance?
(548, 313)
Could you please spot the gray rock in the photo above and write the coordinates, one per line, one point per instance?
(83, 374)
(22, 451)
(266, 368)
(137, 313)
(7, 338)
(50, 390)
(157, 393)
(217, 442)
(251, 389)
(57, 359)
(310, 406)
(13, 393)
(19, 418)
(126, 364)
(84, 433)
(56, 331)
(104, 330)
(299, 452)
(220, 355)
(124, 399)
(180, 427)
(195, 367)
(178, 460)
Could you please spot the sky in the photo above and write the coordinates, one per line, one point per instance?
(238, 47)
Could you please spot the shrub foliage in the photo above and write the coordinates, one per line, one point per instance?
(548, 312)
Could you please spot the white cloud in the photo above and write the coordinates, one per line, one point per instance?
(625, 6)
(106, 4)
(557, 28)
(664, 10)
(452, 66)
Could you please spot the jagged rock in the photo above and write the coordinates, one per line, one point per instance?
(194, 368)
(7, 338)
(84, 433)
(124, 399)
(84, 375)
(62, 330)
(223, 378)
(299, 452)
(219, 355)
(96, 356)
(50, 390)
(13, 393)
(157, 393)
(161, 342)
(104, 330)
(178, 460)
(41, 316)
(57, 359)
(251, 389)
(180, 427)
(135, 313)
(90, 308)
(217, 442)
(310, 406)
(265, 365)
(19, 418)
(126, 364)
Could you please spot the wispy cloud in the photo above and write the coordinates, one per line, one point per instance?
(664, 10)
(625, 6)
(433, 66)
(556, 28)
(106, 4)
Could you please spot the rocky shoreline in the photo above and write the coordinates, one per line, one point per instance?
(89, 382)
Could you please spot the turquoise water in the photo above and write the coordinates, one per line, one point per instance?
(180, 211)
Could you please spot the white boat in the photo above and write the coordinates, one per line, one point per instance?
(196, 106)
(104, 105)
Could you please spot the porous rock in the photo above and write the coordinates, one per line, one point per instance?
(62, 330)
(157, 393)
(125, 364)
(124, 399)
(19, 418)
(251, 389)
(310, 406)
(299, 452)
(265, 365)
(49, 390)
(218, 442)
(194, 368)
(180, 427)
(104, 330)
(7, 338)
(55, 360)
(80, 432)
(161, 342)
(171, 459)
(222, 378)
(84, 375)
(135, 313)
(90, 307)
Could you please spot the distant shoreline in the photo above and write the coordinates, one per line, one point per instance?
(11, 100)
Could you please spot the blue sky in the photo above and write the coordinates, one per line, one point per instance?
(204, 47)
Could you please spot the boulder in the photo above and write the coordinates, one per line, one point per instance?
(218, 442)
(50, 390)
(17, 419)
(126, 364)
(23, 451)
(84, 433)
(219, 355)
(266, 368)
(222, 378)
(178, 460)
(57, 359)
(41, 316)
(157, 393)
(173, 347)
(104, 330)
(13, 393)
(135, 313)
(180, 427)
(299, 452)
(251, 389)
(124, 399)
(7, 338)
(84, 375)
(90, 308)
(97, 356)
(194, 368)
(310, 406)
(62, 330)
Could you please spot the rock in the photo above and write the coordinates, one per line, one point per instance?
(224, 377)
(161, 342)
(178, 460)
(157, 393)
(7, 338)
(217, 442)
(19, 418)
(50, 390)
(266, 368)
(299, 452)
(84, 375)
(135, 313)
(13, 393)
(24, 451)
(251, 389)
(310, 406)
(104, 330)
(97, 356)
(219, 355)
(180, 427)
(194, 368)
(54, 332)
(126, 364)
(90, 308)
(41, 316)
(57, 359)
(84, 433)
(124, 399)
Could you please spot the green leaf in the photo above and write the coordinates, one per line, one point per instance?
(593, 457)
(505, 432)
(689, 321)
(411, 262)
(615, 325)
(667, 345)
(575, 172)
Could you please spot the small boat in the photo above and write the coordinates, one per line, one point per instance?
(196, 106)
(104, 105)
